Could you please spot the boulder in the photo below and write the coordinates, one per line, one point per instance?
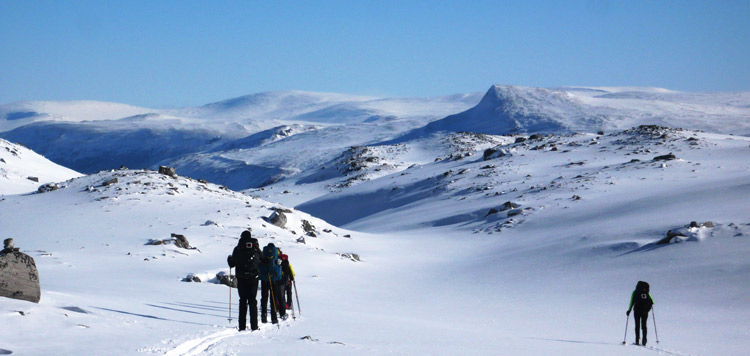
(192, 278)
(308, 227)
(109, 182)
(19, 278)
(49, 187)
(181, 241)
(167, 171)
(278, 218)
(226, 279)
(668, 157)
(509, 205)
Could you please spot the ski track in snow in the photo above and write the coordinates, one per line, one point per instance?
(198, 346)
(667, 352)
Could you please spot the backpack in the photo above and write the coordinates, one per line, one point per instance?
(641, 298)
(269, 265)
(246, 258)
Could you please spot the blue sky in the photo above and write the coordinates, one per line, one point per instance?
(183, 53)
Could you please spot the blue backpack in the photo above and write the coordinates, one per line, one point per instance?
(269, 266)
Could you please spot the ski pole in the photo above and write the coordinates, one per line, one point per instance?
(273, 300)
(296, 295)
(294, 317)
(653, 314)
(624, 338)
(230, 295)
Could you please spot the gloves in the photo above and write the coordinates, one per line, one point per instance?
(229, 261)
(627, 313)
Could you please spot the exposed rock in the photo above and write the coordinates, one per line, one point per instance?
(705, 224)
(301, 240)
(167, 171)
(307, 226)
(492, 211)
(668, 157)
(509, 205)
(492, 153)
(49, 187)
(535, 137)
(8, 246)
(576, 197)
(181, 241)
(520, 139)
(226, 280)
(177, 239)
(109, 182)
(33, 179)
(192, 278)
(278, 218)
(352, 256)
(312, 234)
(19, 278)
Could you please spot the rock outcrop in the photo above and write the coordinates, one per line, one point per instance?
(19, 278)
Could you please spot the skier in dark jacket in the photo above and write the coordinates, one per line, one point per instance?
(270, 277)
(641, 301)
(287, 277)
(246, 257)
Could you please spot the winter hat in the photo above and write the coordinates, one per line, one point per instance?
(245, 234)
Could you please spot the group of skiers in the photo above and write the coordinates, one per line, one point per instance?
(269, 267)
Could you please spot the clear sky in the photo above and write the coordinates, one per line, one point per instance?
(183, 53)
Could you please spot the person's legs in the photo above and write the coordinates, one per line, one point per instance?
(637, 319)
(288, 290)
(644, 326)
(243, 292)
(252, 292)
(264, 292)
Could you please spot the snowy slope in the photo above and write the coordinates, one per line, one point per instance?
(557, 282)
(24, 171)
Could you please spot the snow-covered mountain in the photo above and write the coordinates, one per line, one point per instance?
(514, 109)
(91, 136)
(23, 170)
(509, 227)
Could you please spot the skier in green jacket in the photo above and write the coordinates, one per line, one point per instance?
(641, 301)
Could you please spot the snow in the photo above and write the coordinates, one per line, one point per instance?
(440, 273)
(24, 171)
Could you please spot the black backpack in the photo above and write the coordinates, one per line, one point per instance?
(247, 258)
(641, 298)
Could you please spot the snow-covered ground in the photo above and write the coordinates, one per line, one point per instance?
(446, 266)
(23, 170)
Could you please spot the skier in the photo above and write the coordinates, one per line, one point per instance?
(287, 277)
(270, 276)
(641, 301)
(246, 257)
